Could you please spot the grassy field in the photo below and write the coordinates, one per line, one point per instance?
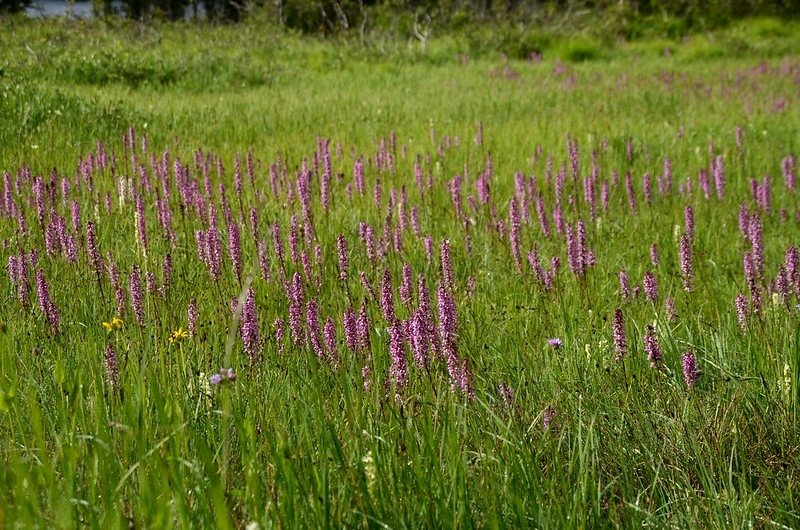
(365, 233)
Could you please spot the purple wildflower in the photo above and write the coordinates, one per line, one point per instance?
(387, 297)
(624, 285)
(405, 285)
(757, 242)
(91, 246)
(277, 243)
(448, 337)
(514, 223)
(329, 333)
(235, 248)
(647, 189)
(670, 309)
(541, 212)
(150, 283)
(744, 220)
(312, 322)
(686, 261)
(447, 265)
(654, 255)
(191, 314)
(341, 244)
(362, 330)
(295, 296)
(789, 170)
(46, 304)
(741, 311)
(604, 195)
(263, 260)
(688, 222)
(419, 338)
(620, 338)
(398, 368)
(137, 299)
(650, 287)
(690, 371)
(141, 227)
(631, 192)
(116, 285)
(112, 368)
(718, 172)
(749, 270)
(249, 327)
(223, 376)
(651, 346)
(350, 325)
(280, 333)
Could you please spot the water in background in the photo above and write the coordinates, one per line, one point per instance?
(55, 8)
(85, 10)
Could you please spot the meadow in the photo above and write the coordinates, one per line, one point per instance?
(255, 279)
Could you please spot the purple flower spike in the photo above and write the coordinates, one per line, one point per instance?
(686, 261)
(387, 297)
(112, 368)
(249, 327)
(741, 311)
(235, 248)
(624, 285)
(398, 368)
(650, 287)
(654, 255)
(447, 265)
(620, 339)
(137, 299)
(341, 244)
(651, 346)
(555, 343)
(46, 304)
(191, 314)
(690, 371)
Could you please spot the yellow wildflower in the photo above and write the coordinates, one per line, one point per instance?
(178, 335)
(116, 323)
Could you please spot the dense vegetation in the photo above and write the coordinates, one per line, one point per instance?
(415, 18)
(479, 280)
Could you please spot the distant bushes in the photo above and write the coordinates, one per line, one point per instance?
(630, 18)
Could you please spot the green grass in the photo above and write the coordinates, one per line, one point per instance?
(297, 442)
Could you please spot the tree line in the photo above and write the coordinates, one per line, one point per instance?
(327, 16)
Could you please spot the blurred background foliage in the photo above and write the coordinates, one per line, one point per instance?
(420, 18)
